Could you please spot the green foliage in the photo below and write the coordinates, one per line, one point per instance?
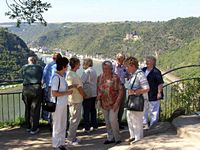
(182, 95)
(9, 68)
(13, 55)
(188, 95)
(27, 10)
(175, 42)
(18, 122)
(107, 38)
(30, 33)
(189, 54)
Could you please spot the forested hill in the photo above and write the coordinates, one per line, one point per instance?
(108, 38)
(13, 55)
(189, 54)
(133, 38)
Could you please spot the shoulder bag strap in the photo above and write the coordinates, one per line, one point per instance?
(135, 79)
(58, 89)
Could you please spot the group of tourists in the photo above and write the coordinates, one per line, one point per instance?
(73, 93)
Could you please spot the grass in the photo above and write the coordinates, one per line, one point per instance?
(18, 122)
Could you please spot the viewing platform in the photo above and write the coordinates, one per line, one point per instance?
(182, 134)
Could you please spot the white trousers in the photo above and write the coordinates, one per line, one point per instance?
(135, 125)
(75, 117)
(153, 110)
(112, 125)
(59, 125)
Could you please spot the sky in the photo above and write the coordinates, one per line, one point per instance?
(114, 10)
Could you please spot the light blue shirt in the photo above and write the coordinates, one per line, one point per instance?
(121, 71)
(48, 73)
(140, 82)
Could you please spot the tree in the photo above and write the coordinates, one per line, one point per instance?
(9, 69)
(27, 10)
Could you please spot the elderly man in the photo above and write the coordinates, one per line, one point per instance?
(155, 93)
(32, 93)
(121, 71)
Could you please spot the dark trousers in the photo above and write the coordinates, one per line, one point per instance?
(121, 107)
(89, 113)
(47, 97)
(32, 96)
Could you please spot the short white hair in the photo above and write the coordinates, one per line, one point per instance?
(120, 55)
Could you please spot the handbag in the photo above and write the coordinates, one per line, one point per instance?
(50, 106)
(135, 102)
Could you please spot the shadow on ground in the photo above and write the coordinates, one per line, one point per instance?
(18, 139)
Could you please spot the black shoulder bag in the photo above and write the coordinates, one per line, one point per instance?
(50, 106)
(135, 102)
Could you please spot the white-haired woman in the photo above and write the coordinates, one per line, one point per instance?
(109, 93)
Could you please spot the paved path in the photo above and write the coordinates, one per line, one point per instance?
(162, 137)
(18, 139)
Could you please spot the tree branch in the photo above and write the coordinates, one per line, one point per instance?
(27, 10)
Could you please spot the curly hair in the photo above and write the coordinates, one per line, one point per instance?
(131, 61)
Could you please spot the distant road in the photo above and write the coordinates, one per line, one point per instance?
(170, 77)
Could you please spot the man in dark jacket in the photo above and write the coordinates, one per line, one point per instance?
(155, 93)
(32, 94)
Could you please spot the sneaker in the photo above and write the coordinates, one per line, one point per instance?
(130, 140)
(133, 142)
(75, 142)
(35, 131)
(86, 131)
(93, 129)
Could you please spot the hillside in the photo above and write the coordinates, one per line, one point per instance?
(13, 55)
(32, 32)
(162, 39)
(108, 38)
(187, 55)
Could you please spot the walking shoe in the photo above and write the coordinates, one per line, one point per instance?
(130, 140)
(35, 131)
(109, 142)
(86, 131)
(93, 129)
(62, 147)
(133, 142)
(74, 142)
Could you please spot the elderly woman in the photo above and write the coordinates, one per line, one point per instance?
(140, 86)
(109, 93)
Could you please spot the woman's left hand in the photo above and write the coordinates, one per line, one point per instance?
(132, 92)
(115, 106)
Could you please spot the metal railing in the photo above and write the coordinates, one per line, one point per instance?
(183, 93)
(11, 106)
